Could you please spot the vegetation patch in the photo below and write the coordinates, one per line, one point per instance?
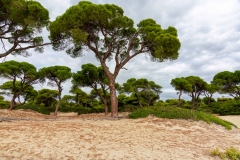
(230, 153)
(180, 113)
(34, 107)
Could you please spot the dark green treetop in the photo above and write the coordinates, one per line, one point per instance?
(229, 82)
(56, 76)
(20, 23)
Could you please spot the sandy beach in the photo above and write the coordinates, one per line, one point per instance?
(29, 135)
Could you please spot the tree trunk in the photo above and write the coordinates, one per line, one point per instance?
(149, 102)
(179, 98)
(105, 106)
(13, 103)
(193, 102)
(58, 104)
(138, 100)
(113, 97)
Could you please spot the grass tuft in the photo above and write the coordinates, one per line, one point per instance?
(230, 153)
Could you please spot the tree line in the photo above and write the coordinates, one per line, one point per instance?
(102, 30)
(134, 92)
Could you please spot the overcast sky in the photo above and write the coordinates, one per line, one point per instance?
(209, 32)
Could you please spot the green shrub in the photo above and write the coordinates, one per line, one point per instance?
(97, 109)
(34, 107)
(160, 103)
(226, 107)
(218, 153)
(127, 108)
(224, 99)
(206, 99)
(179, 113)
(4, 104)
(141, 113)
(230, 153)
(80, 109)
(174, 102)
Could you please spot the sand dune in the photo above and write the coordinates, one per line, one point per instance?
(94, 136)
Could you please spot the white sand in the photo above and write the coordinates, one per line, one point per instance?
(91, 137)
(233, 119)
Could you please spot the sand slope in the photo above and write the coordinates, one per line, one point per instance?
(99, 137)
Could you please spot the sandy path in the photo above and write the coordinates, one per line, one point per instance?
(149, 138)
(234, 119)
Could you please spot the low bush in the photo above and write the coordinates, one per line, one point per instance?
(231, 107)
(34, 107)
(179, 113)
(80, 109)
(127, 108)
(4, 104)
(230, 153)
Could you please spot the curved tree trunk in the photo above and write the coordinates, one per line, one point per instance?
(179, 98)
(59, 102)
(139, 102)
(13, 103)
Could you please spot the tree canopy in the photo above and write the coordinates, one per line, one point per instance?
(21, 21)
(194, 86)
(142, 88)
(110, 35)
(229, 82)
(26, 95)
(56, 76)
(47, 97)
(23, 72)
(95, 78)
(181, 85)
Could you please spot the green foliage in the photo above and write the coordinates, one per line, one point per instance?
(179, 113)
(34, 107)
(68, 99)
(110, 35)
(228, 82)
(21, 22)
(24, 72)
(28, 94)
(95, 78)
(230, 153)
(127, 108)
(218, 153)
(56, 74)
(4, 104)
(81, 109)
(231, 107)
(206, 100)
(145, 92)
(174, 102)
(181, 85)
(90, 76)
(224, 99)
(160, 103)
(46, 97)
(194, 86)
(141, 113)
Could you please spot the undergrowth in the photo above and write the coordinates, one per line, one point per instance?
(180, 113)
(34, 107)
(230, 154)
